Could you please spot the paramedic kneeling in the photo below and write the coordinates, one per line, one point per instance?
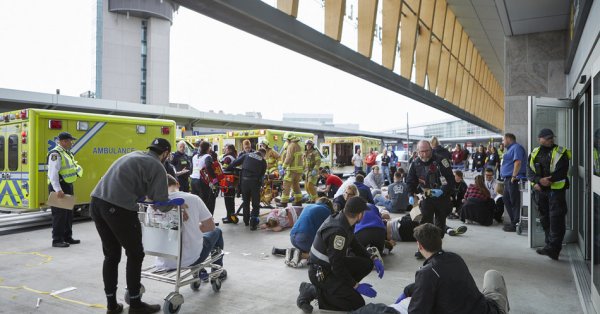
(335, 275)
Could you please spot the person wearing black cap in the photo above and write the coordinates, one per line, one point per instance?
(335, 275)
(547, 170)
(63, 171)
(132, 177)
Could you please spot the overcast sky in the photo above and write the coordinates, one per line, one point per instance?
(49, 44)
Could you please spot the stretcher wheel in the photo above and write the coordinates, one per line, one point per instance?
(169, 308)
(173, 303)
(126, 297)
(216, 284)
(195, 285)
(519, 229)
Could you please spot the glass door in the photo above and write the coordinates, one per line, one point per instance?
(556, 115)
(582, 178)
(593, 155)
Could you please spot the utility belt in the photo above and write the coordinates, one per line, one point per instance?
(250, 178)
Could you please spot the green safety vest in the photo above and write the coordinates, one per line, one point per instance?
(69, 169)
(557, 153)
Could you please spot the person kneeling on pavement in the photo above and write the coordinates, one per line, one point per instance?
(200, 235)
(370, 231)
(397, 198)
(335, 274)
(303, 232)
(445, 285)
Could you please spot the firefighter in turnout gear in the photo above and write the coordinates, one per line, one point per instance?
(312, 161)
(547, 170)
(292, 168)
(63, 171)
(432, 176)
(272, 158)
(338, 262)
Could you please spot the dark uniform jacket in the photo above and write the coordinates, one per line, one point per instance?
(253, 165)
(437, 174)
(182, 161)
(542, 163)
(332, 242)
(442, 152)
(445, 285)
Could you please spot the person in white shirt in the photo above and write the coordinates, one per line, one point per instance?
(200, 235)
(492, 185)
(357, 161)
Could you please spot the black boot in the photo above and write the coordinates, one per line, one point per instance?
(144, 308)
(308, 292)
(253, 223)
(278, 252)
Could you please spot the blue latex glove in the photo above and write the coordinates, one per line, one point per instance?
(280, 168)
(437, 192)
(411, 200)
(378, 267)
(281, 173)
(313, 173)
(400, 298)
(366, 290)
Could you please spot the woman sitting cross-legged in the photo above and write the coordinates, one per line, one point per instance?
(478, 206)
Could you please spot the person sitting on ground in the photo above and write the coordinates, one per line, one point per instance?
(363, 190)
(281, 218)
(478, 206)
(304, 230)
(445, 285)
(332, 184)
(374, 179)
(370, 231)
(200, 235)
(397, 198)
(460, 188)
(340, 202)
(492, 185)
(342, 189)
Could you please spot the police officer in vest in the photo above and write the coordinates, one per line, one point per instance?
(547, 170)
(63, 170)
(334, 273)
(253, 172)
(432, 175)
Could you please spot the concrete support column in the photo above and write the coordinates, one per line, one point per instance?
(534, 67)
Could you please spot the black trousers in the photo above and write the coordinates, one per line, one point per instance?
(552, 206)
(62, 219)
(184, 183)
(229, 197)
(119, 227)
(250, 193)
(372, 237)
(435, 210)
(512, 200)
(336, 295)
(207, 195)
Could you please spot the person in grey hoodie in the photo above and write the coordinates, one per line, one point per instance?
(137, 175)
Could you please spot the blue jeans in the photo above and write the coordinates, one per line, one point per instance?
(382, 201)
(385, 170)
(357, 169)
(210, 240)
(302, 241)
(512, 200)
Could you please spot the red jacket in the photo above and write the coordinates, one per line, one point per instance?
(458, 157)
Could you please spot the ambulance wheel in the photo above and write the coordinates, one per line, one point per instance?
(173, 303)
(519, 229)
(216, 284)
(126, 297)
(195, 285)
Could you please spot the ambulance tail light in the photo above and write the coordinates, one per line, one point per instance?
(262, 132)
(230, 133)
(165, 130)
(24, 114)
(24, 137)
(55, 124)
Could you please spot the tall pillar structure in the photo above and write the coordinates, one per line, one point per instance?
(132, 50)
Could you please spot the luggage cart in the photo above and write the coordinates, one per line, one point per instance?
(163, 237)
(523, 214)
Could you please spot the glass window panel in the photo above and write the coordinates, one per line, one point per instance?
(596, 123)
(596, 257)
(13, 152)
(1, 152)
